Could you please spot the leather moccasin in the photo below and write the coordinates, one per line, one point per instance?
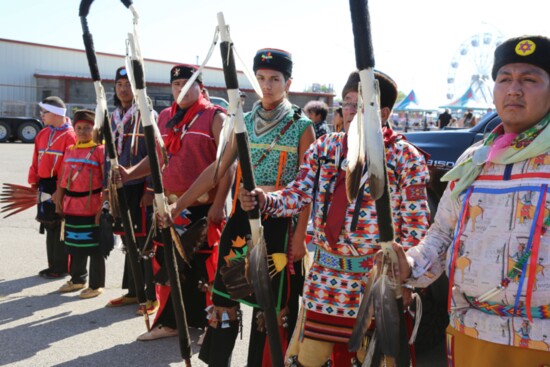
(70, 287)
(158, 333)
(90, 293)
(122, 301)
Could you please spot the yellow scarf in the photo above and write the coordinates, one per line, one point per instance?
(81, 145)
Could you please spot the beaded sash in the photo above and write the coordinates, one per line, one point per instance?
(493, 308)
(350, 264)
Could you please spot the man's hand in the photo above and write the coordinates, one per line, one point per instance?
(249, 199)
(116, 177)
(57, 199)
(404, 266)
(174, 210)
(124, 174)
(165, 221)
(216, 214)
(407, 294)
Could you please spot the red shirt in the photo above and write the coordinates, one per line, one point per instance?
(49, 147)
(197, 152)
(83, 173)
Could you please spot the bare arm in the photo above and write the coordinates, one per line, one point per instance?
(140, 170)
(57, 198)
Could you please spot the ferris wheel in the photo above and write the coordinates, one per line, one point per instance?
(471, 67)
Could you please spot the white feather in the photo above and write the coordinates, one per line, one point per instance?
(356, 152)
(101, 105)
(374, 140)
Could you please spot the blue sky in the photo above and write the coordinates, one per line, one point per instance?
(414, 41)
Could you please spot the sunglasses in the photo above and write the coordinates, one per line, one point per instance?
(349, 105)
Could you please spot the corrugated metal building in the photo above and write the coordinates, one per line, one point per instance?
(30, 72)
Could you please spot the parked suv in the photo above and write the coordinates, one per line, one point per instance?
(445, 147)
(219, 101)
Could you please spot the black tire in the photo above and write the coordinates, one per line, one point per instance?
(27, 131)
(5, 131)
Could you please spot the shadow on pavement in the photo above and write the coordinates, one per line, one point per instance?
(14, 286)
(161, 352)
(48, 329)
(19, 307)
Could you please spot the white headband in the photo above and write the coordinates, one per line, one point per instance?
(53, 109)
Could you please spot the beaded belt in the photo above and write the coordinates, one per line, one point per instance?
(350, 264)
(493, 308)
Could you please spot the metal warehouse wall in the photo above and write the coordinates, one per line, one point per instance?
(29, 72)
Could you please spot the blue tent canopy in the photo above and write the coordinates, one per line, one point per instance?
(410, 103)
(468, 101)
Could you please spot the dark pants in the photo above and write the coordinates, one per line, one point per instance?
(222, 341)
(51, 222)
(286, 290)
(190, 278)
(57, 257)
(141, 220)
(146, 267)
(97, 270)
(194, 298)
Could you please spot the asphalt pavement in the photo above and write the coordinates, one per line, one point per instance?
(41, 327)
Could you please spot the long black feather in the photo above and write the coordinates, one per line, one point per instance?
(364, 315)
(386, 316)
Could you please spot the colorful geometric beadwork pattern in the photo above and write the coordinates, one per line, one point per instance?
(338, 292)
(352, 264)
(493, 308)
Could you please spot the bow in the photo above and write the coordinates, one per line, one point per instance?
(149, 129)
(103, 123)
